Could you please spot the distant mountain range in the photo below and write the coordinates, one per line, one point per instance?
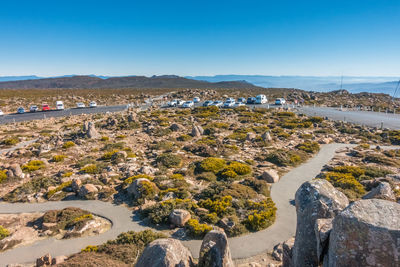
(353, 84)
(156, 82)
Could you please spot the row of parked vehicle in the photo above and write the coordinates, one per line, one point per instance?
(46, 107)
(228, 103)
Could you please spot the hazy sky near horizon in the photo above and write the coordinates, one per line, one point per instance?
(48, 38)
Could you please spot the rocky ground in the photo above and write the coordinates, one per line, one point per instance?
(27, 228)
(185, 171)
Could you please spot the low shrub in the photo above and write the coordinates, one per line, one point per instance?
(108, 155)
(308, 146)
(11, 141)
(184, 138)
(3, 232)
(260, 214)
(286, 157)
(159, 212)
(353, 170)
(58, 158)
(33, 165)
(345, 181)
(50, 193)
(129, 180)
(219, 206)
(90, 249)
(212, 165)
(34, 185)
(90, 169)
(169, 160)
(68, 144)
(239, 168)
(3, 176)
(197, 229)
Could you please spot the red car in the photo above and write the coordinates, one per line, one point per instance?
(45, 107)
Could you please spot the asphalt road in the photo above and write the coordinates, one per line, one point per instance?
(368, 118)
(122, 219)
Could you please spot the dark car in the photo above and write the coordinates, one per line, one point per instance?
(251, 100)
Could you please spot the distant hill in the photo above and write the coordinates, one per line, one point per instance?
(18, 78)
(353, 84)
(91, 82)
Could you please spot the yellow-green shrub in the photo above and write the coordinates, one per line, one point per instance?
(239, 168)
(90, 169)
(212, 165)
(345, 181)
(3, 175)
(261, 214)
(68, 144)
(129, 180)
(197, 229)
(58, 158)
(90, 249)
(3, 232)
(308, 146)
(219, 206)
(33, 165)
(58, 188)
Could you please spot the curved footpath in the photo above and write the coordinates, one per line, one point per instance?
(122, 219)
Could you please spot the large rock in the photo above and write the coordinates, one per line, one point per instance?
(166, 252)
(382, 191)
(197, 131)
(44, 260)
(76, 185)
(134, 188)
(270, 176)
(91, 131)
(366, 233)
(15, 171)
(87, 189)
(179, 217)
(287, 252)
(266, 137)
(316, 199)
(176, 127)
(322, 230)
(214, 251)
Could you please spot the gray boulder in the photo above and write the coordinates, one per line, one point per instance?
(322, 230)
(366, 233)
(179, 217)
(287, 252)
(197, 131)
(316, 199)
(91, 131)
(133, 188)
(166, 252)
(382, 191)
(214, 251)
(87, 189)
(270, 176)
(176, 127)
(250, 136)
(266, 137)
(15, 171)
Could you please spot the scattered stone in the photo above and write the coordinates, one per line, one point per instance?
(44, 260)
(270, 176)
(266, 137)
(179, 217)
(166, 252)
(322, 230)
(15, 171)
(382, 191)
(277, 252)
(366, 233)
(226, 224)
(315, 199)
(133, 188)
(176, 127)
(214, 251)
(197, 131)
(76, 184)
(250, 136)
(87, 189)
(58, 259)
(287, 252)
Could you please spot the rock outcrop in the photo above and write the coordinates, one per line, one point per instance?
(166, 252)
(287, 252)
(316, 199)
(197, 131)
(134, 188)
(214, 251)
(91, 131)
(366, 233)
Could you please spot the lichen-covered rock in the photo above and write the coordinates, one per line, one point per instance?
(382, 191)
(287, 252)
(270, 176)
(366, 233)
(91, 131)
(322, 230)
(166, 252)
(179, 217)
(214, 251)
(266, 137)
(87, 189)
(197, 131)
(15, 171)
(316, 199)
(133, 188)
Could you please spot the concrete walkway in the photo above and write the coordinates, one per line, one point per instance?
(241, 247)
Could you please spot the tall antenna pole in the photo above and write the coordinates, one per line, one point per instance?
(341, 84)
(395, 91)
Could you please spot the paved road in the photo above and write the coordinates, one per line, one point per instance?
(241, 247)
(368, 118)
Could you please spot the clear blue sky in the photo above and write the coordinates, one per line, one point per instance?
(280, 37)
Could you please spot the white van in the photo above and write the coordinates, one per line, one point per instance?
(59, 105)
(261, 99)
(280, 101)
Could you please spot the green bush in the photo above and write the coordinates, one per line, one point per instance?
(184, 138)
(108, 155)
(260, 214)
(11, 141)
(67, 218)
(90, 169)
(90, 249)
(33, 165)
(239, 168)
(345, 181)
(212, 165)
(286, 158)
(68, 144)
(50, 193)
(34, 185)
(58, 158)
(197, 229)
(169, 160)
(3, 232)
(308, 146)
(207, 176)
(353, 170)
(129, 180)
(159, 212)
(3, 176)
(219, 206)
(316, 119)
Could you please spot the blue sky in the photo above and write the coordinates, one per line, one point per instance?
(47, 38)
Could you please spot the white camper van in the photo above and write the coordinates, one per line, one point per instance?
(59, 105)
(261, 99)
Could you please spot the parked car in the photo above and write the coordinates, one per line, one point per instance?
(251, 100)
(93, 104)
(20, 110)
(207, 103)
(261, 99)
(45, 107)
(217, 103)
(175, 103)
(33, 108)
(238, 104)
(188, 104)
(80, 105)
(1, 113)
(196, 100)
(60, 105)
(241, 100)
(229, 102)
(280, 101)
